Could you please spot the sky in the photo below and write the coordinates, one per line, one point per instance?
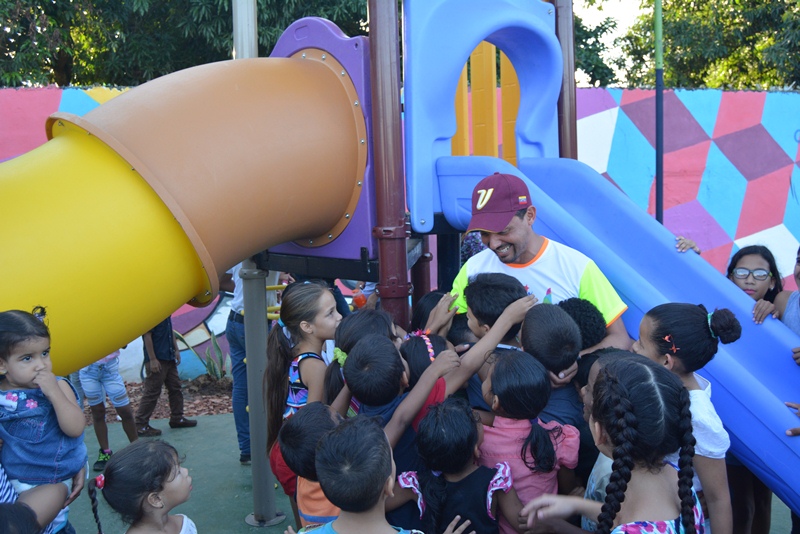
(623, 11)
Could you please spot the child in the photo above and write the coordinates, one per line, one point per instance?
(100, 379)
(640, 414)
(449, 441)
(40, 422)
(162, 357)
(142, 483)
(376, 375)
(754, 271)
(590, 321)
(421, 310)
(684, 338)
(551, 336)
(350, 330)
(517, 389)
(357, 473)
(419, 350)
(295, 369)
(487, 295)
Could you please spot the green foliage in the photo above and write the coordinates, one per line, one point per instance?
(128, 42)
(215, 362)
(736, 44)
(589, 50)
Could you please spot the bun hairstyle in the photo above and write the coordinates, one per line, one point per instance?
(691, 334)
(646, 411)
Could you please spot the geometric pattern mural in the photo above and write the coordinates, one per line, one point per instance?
(731, 172)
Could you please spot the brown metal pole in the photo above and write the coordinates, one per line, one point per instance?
(567, 115)
(391, 230)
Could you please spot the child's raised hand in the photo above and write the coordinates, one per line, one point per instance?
(446, 361)
(516, 310)
(683, 244)
(796, 355)
(453, 529)
(442, 316)
(762, 310)
(46, 381)
(794, 431)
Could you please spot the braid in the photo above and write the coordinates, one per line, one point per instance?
(434, 494)
(93, 497)
(623, 432)
(685, 471)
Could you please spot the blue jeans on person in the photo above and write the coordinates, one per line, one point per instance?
(234, 331)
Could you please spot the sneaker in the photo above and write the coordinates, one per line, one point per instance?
(182, 423)
(102, 460)
(148, 431)
(244, 459)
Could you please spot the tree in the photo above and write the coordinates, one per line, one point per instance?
(127, 42)
(737, 44)
(589, 50)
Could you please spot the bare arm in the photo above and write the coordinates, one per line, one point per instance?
(415, 400)
(150, 350)
(312, 373)
(342, 401)
(616, 336)
(510, 507)
(550, 506)
(45, 501)
(474, 359)
(714, 478)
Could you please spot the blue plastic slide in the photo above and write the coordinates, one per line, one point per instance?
(750, 378)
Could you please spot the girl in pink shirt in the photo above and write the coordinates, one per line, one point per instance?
(517, 389)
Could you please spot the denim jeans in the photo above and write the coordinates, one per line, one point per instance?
(235, 333)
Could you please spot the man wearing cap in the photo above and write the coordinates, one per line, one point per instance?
(503, 213)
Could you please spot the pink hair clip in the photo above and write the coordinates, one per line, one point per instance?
(100, 481)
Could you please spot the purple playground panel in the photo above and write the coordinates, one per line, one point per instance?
(353, 54)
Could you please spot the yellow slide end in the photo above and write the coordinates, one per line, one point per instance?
(85, 236)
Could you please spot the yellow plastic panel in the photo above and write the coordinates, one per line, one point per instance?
(460, 140)
(483, 73)
(509, 88)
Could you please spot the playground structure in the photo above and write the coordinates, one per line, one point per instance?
(124, 202)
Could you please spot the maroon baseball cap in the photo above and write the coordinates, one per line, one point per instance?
(495, 200)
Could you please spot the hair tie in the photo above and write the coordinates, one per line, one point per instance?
(417, 333)
(436, 473)
(429, 345)
(534, 421)
(288, 336)
(280, 323)
(713, 335)
(100, 481)
(40, 313)
(339, 356)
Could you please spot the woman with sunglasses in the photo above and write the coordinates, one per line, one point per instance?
(754, 270)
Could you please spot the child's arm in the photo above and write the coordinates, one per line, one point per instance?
(415, 400)
(342, 401)
(567, 481)
(474, 359)
(59, 392)
(399, 497)
(511, 507)
(45, 501)
(550, 506)
(441, 317)
(714, 478)
(312, 372)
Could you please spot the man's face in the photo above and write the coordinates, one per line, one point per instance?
(511, 245)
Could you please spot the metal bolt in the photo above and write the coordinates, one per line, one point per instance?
(355, 103)
(208, 292)
(323, 57)
(343, 73)
(359, 183)
(310, 241)
(330, 236)
(346, 215)
(363, 141)
(549, 11)
(422, 221)
(304, 55)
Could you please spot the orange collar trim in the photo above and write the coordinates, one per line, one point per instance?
(538, 255)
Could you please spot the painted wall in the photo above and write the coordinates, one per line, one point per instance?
(731, 158)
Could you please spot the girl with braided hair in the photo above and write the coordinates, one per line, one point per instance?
(684, 338)
(640, 414)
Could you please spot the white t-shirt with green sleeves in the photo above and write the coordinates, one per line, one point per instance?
(556, 273)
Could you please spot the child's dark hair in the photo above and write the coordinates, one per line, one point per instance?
(415, 352)
(18, 518)
(646, 411)
(551, 336)
(350, 330)
(421, 310)
(17, 326)
(300, 435)
(590, 321)
(691, 334)
(522, 387)
(300, 303)
(141, 468)
(488, 294)
(766, 254)
(586, 361)
(353, 462)
(374, 370)
(446, 440)
(459, 333)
